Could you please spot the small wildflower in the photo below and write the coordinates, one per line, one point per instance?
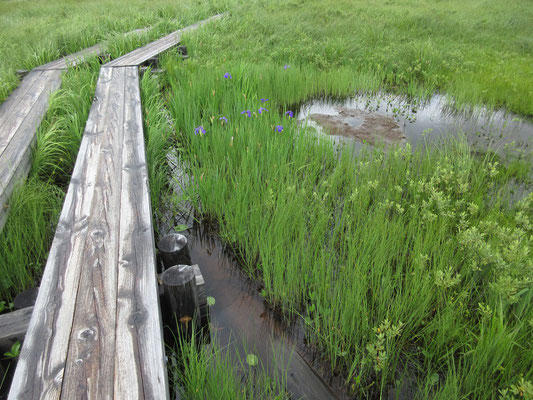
(279, 128)
(290, 114)
(247, 112)
(227, 75)
(286, 66)
(264, 100)
(223, 120)
(261, 110)
(199, 130)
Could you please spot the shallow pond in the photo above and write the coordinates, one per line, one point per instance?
(393, 119)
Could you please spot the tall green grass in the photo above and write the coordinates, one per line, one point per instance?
(35, 32)
(478, 51)
(408, 268)
(158, 140)
(208, 371)
(35, 205)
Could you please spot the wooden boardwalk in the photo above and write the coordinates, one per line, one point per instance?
(20, 116)
(142, 54)
(96, 330)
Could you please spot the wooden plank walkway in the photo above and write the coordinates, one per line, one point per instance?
(20, 116)
(142, 54)
(96, 330)
(13, 327)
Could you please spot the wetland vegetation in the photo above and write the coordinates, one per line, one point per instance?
(411, 268)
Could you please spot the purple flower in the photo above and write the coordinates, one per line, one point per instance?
(199, 130)
(264, 100)
(247, 112)
(279, 128)
(286, 66)
(227, 75)
(224, 120)
(290, 114)
(261, 110)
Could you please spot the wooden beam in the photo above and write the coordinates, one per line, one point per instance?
(139, 56)
(13, 327)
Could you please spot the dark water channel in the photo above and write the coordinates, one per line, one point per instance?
(242, 323)
(420, 122)
(240, 320)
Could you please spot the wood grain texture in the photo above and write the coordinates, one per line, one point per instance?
(96, 331)
(39, 373)
(13, 327)
(90, 360)
(12, 119)
(152, 49)
(139, 339)
(16, 96)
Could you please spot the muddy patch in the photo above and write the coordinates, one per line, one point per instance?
(364, 126)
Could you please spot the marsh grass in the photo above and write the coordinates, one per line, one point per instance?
(26, 236)
(34, 33)
(209, 371)
(158, 140)
(479, 52)
(35, 205)
(406, 266)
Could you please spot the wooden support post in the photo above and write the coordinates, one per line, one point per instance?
(180, 299)
(173, 250)
(202, 298)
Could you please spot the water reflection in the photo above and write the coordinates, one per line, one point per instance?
(429, 121)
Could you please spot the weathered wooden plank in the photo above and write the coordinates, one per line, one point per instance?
(90, 363)
(144, 53)
(10, 104)
(13, 327)
(11, 121)
(80, 56)
(40, 368)
(15, 161)
(73, 59)
(139, 358)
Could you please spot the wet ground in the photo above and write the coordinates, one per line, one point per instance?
(240, 319)
(242, 322)
(393, 119)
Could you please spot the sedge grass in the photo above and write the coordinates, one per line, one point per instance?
(210, 371)
(407, 266)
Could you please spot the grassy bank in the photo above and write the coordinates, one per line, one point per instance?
(478, 51)
(36, 32)
(409, 269)
(406, 266)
